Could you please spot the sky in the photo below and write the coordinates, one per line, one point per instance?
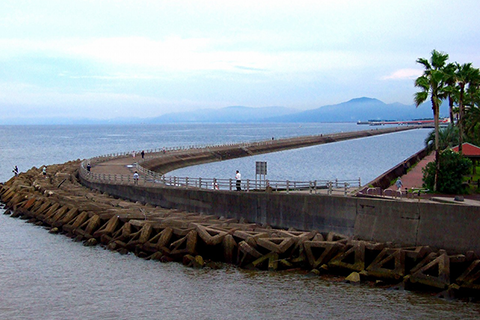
(140, 59)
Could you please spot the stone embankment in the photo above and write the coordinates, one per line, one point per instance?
(60, 203)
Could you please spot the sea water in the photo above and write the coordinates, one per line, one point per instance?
(46, 276)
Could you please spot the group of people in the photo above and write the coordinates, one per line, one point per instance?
(16, 171)
(141, 153)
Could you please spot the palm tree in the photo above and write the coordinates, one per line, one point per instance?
(431, 83)
(448, 137)
(450, 89)
(472, 125)
(472, 115)
(466, 76)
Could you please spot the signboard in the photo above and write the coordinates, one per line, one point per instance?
(261, 167)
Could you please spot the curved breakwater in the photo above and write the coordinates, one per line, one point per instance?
(195, 239)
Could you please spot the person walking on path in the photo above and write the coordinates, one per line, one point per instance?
(399, 184)
(238, 177)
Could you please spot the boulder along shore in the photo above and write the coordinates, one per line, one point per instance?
(59, 202)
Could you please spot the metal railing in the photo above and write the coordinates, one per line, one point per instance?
(152, 178)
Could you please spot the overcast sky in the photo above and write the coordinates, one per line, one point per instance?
(107, 59)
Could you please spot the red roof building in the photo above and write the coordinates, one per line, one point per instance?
(469, 150)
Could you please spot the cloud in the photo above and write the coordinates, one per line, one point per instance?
(404, 74)
(149, 56)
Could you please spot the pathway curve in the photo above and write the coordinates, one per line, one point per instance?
(413, 179)
(163, 163)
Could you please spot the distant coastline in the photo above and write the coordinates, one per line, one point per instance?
(355, 110)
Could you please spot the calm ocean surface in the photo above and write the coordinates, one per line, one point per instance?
(45, 276)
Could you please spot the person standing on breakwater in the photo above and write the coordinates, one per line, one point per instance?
(238, 177)
(89, 167)
(135, 177)
(143, 154)
(44, 171)
(15, 171)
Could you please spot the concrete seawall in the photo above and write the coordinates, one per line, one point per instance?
(453, 227)
(412, 223)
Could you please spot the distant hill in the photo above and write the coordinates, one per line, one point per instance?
(234, 114)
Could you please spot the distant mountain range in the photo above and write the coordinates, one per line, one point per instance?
(359, 109)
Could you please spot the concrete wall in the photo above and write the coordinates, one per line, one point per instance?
(448, 226)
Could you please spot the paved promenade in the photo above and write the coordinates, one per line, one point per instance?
(120, 166)
(412, 180)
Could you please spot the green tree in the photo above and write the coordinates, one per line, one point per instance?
(431, 83)
(453, 166)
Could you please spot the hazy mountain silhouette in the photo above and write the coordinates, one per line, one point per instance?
(359, 109)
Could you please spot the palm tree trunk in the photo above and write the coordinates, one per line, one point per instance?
(437, 146)
(450, 104)
(460, 121)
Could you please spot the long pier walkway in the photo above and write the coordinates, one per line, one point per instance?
(156, 164)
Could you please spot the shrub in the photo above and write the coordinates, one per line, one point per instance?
(453, 166)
